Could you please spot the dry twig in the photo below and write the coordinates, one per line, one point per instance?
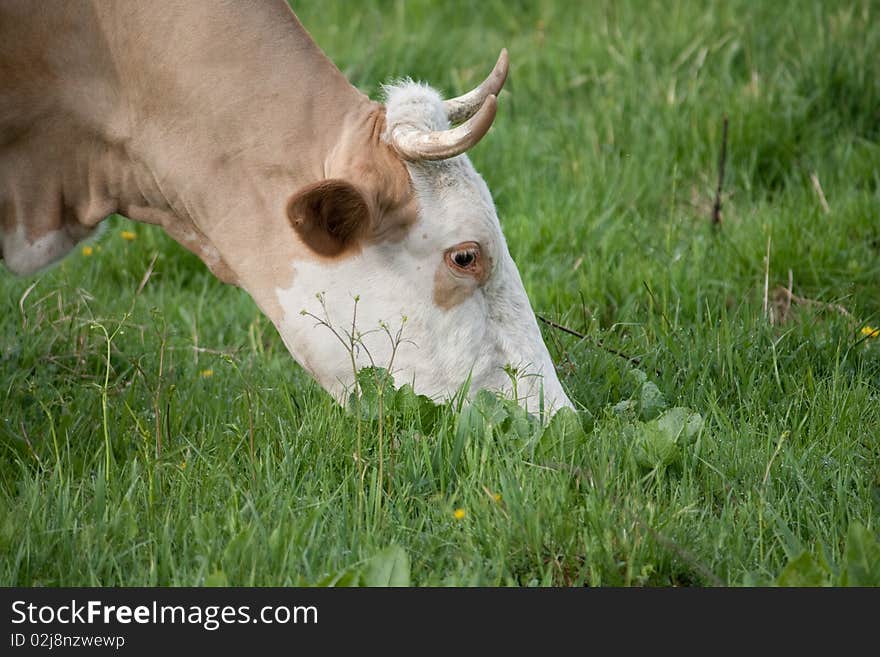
(821, 194)
(768, 314)
(21, 303)
(147, 274)
(803, 301)
(611, 350)
(716, 207)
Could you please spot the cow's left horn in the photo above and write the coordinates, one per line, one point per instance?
(414, 144)
(465, 106)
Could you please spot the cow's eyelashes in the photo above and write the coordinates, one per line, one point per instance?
(465, 258)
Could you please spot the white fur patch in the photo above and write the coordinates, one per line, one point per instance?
(414, 104)
(208, 253)
(23, 256)
(491, 330)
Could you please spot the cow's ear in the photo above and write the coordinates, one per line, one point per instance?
(331, 216)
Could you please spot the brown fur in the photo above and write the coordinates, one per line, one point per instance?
(453, 287)
(450, 290)
(204, 118)
(330, 217)
(363, 158)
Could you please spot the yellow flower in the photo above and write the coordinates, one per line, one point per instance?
(128, 235)
(459, 514)
(87, 251)
(183, 466)
(497, 497)
(206, 374)
(871, 332)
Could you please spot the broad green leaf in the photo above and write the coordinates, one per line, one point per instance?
(805, 570)
(565, 423)
(637, 375)
(625, 408)
(217, 578)
(409, 404)
(651, 401)
(862, 558)
(388, 568)
(491, 407)
(659, 442)
(654, 447)
(237, 545)
(681, 424)
(562, 436)
(372, 383)
(518, 423)
(343, 578)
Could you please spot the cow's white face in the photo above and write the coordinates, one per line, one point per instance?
(435, 302)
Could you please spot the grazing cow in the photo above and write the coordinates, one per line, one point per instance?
(224, 123)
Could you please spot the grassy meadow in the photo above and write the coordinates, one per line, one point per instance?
(728, 376)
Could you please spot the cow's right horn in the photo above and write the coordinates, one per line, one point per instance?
(415, 145)
(465, 106)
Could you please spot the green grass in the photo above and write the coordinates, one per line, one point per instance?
(603, 164)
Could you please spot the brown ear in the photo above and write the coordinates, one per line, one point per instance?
(331, 216)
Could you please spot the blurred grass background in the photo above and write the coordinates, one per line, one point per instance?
(603, 163)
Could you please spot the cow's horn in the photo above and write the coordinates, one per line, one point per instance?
(414, 144)
(464, 107)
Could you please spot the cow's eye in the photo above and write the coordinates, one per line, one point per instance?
(464, 258)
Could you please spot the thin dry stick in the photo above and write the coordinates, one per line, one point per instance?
(785, 306)
(790, 287)
(818, 187)
(28, 443)
(583, 309)
(22, 300)
(205, 350)
(632, 359)
(496, 500)
(836, 307)
(767, 281)
(147, 274)
(716, 207)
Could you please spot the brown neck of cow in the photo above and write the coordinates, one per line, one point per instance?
(202, 117)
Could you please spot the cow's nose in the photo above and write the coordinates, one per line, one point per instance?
(546, 389)
(556, 401)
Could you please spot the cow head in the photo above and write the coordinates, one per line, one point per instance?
(407, 265)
